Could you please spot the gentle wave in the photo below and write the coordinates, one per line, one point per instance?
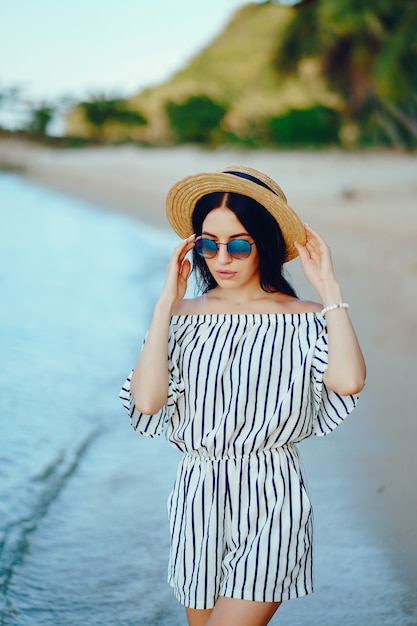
(77, 286)
(47, 485)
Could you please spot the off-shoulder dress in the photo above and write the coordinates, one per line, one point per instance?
(243, 390)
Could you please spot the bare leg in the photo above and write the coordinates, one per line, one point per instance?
(233, 612)
(198, 617)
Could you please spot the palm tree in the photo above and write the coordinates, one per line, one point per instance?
(368, 54)
(100, 110)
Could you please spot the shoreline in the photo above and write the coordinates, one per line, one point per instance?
(364, 205)
(136, 180)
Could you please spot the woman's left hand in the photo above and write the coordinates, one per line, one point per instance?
(316, 260)
(346, 368)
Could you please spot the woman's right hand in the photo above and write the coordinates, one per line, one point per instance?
(149, 384)
(177, 272)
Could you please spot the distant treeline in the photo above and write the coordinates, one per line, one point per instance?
(317, 74)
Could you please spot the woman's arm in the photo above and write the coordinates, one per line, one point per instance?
(346, 370)
(149, 384)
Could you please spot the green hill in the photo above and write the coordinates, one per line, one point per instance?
(319, 73)
(236, 70)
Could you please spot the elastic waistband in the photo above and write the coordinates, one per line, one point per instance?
(201, 456)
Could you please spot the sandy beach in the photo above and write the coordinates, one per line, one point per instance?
(365, 206)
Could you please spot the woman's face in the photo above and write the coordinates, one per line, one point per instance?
(221, 225)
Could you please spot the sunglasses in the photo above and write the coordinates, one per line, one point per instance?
(236, 248)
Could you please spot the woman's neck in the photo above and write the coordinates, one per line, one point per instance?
(238, 297)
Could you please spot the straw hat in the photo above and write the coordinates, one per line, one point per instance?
(182, 198)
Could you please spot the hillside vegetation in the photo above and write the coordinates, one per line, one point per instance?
(307, 75)
(236, 69)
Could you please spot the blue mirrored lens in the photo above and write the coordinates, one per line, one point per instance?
(239, 248)
(206, 248)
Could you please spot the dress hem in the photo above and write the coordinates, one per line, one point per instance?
(206, 605)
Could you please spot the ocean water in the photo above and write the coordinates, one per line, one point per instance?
(83, 528)
(79, 495)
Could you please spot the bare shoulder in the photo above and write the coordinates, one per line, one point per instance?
(305, 306)
(188, 306)
(269, 303)
(283, 303)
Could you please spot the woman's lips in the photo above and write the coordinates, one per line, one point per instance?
(225, 274)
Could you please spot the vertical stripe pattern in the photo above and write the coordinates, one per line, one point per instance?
(242, 390)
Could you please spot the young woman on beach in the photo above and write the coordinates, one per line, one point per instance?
(235, 377)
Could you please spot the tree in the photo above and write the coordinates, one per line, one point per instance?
(41, 117)
(368, 53)
(316, 126)
(100, 110)
(196, 119)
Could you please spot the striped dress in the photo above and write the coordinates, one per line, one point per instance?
(243, 389)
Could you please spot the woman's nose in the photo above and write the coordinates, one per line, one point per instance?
(223, 255)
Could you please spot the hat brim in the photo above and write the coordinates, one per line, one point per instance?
(183, 196)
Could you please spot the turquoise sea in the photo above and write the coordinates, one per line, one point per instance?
(83, 529)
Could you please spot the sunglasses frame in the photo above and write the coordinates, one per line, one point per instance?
(217, 244)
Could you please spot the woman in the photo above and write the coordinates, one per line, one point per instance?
(251, 370)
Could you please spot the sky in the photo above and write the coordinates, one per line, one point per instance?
(80, 48)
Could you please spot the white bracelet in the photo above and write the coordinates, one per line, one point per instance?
(341, 305)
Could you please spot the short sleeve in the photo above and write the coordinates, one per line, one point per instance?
(154, 425)
(328, 407)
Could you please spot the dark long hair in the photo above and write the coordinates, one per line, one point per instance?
(264, 231)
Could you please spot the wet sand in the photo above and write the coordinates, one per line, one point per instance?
(365, 206)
